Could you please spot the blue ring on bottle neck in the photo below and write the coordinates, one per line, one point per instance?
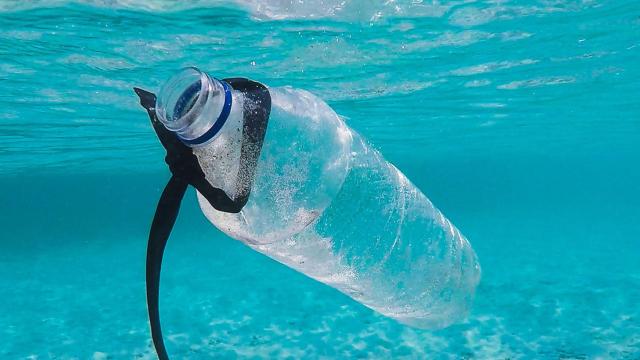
(222, 118)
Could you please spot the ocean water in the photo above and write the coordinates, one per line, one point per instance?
(520, 120)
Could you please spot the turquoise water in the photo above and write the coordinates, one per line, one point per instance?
(519, 119)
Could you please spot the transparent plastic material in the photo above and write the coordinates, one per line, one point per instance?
(190, 116)
(327, 204)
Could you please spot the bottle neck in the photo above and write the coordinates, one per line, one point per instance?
(195, 106)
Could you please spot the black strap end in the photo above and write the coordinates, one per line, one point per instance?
(147, 99)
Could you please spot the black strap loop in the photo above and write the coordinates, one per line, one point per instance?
(185, 171)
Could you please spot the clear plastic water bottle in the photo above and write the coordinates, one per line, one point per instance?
(327, 204)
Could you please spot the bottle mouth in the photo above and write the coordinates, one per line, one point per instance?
(194, 105)
(182, 97)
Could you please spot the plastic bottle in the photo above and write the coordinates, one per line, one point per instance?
(327, 204)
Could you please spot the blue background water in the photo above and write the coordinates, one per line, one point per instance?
(519, 119)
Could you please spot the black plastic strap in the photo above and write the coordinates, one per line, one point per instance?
(257, 108)
(163, 221)
(185, 171)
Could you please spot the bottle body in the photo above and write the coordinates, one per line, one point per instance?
(328, 205)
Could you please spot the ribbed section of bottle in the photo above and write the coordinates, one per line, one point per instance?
(327, 204)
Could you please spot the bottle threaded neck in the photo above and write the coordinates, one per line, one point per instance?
(191, 103)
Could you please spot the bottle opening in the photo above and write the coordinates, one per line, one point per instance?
(187, 100)
(189, 103)
(178, 96)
